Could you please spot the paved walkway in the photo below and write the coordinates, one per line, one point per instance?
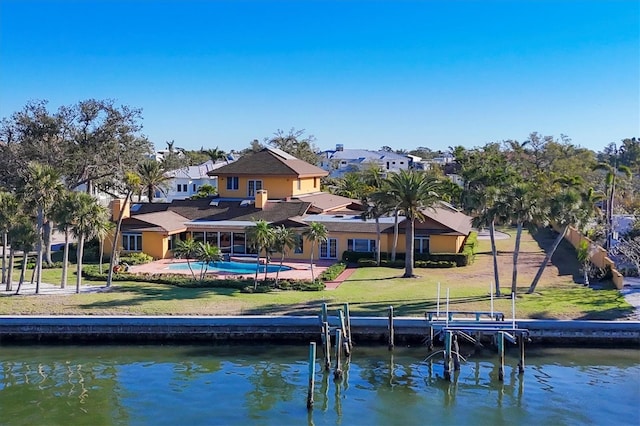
(52, 289)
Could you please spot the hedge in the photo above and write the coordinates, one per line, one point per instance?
(332, 272)
(465, 257)
(91, 272)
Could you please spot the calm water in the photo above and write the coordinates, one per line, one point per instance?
(230, 266)
(240, 385)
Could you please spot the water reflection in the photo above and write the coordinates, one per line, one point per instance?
(205, 385)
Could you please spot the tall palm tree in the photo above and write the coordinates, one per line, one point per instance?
(413, 192)
(525, 207)
(375, 206)
(152, 178)
(315, 233)
(103, 229)
(186, 249)
(42, 185)
(88, 216)
(64, 216)
(283, 239)
(565, 209)
(131, 183)
(260, 236)
(9, 213)
(483, 202)
(22, 237)
(613, 172)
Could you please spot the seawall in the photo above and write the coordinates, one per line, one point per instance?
(407, 330)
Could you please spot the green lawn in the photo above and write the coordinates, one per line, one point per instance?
(369, 291)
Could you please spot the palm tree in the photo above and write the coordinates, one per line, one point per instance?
(483, 202)
(524, 208)
(152, 178)
(216, 154)
(206, 253)
(186, 249)
(9, 212)
(88, 216)
(22, 237)
(565, 209)
(103, 229)
(350, 186)
(412, 192)
(41, 186)
(375, 206)
(611, 180)
(64, 215)
(132, 183)
(315, 233)
(260, 236)
(283, 239)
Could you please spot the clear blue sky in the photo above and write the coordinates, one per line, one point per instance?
(361, 73)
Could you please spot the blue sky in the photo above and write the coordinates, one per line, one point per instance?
(360, 73)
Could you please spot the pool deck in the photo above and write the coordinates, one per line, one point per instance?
(299, 270)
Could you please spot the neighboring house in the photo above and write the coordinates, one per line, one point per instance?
(282, 190)
(187, 181)
(340, 161)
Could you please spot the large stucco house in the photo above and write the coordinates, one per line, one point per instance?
(274, 186)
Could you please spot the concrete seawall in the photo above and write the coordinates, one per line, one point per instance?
(282, 329)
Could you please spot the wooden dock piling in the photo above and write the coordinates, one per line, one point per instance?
(447, 355)
(326, 346)
(500, 337)
(391, 332)
(337, 374)
(348, 319)
(343, 328)
(456, 353)
(312, 374)
(521, 347)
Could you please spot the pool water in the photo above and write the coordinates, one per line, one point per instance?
(229, 266)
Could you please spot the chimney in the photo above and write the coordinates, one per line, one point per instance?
(339, 147)
(116, 205)
(261, 198)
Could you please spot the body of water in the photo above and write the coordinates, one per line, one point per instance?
(240, 385)
(229, 266)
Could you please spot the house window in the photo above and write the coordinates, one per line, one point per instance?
(198, 236)
(132, 242)
(329, 249)
(233, 183)
(421, 245)
(253, 186)
(173, 239)
(194, 187)
(299, 184)
(361, 245)
(299, 248)
(315, 182)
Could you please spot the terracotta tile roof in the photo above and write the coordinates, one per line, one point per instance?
(269, 162)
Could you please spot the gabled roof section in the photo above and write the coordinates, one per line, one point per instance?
(449, 217)
(226, 210)
(270, 162)
(163, 221)
(325, 202)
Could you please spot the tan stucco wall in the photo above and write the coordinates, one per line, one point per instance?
(155, 245)
(277, 186)
(598, 256)
(445, 243)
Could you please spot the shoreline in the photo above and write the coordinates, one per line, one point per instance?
(284, 329)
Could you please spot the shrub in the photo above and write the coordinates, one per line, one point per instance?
(332, 272)
(366, 262)
(91, 272)
(136, 258)
(435, 264)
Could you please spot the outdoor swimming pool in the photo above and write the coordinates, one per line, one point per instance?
(229, 266)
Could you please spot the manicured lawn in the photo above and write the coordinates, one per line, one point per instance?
(369, 291)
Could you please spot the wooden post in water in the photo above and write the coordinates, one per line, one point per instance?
(456, 353)
(348, 318)
(326, 346)
(337, 374)
(447, 355)
(430, 347)
(343, 328)
(391, 332)
(312, 374)
(501, 356)
(521, 345)
(325, 316)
